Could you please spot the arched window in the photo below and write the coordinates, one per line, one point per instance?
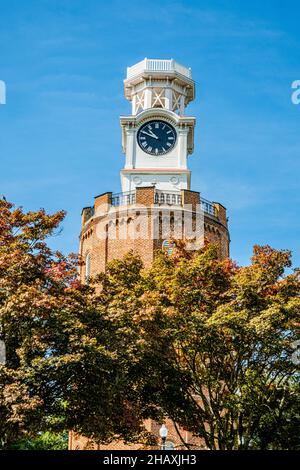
(87, 267)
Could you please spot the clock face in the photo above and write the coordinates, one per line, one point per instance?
(156, 137)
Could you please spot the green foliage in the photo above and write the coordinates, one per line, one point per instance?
(65, 366)
(200, 340)
(44, 441)
(223, 342)
(209, 343)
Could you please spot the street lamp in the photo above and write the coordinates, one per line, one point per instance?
(163, 432)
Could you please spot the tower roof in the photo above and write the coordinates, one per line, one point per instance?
(158, 66)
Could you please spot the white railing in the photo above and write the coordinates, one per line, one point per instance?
(174, 198)
(208, 207)
(171, 198)
(158, 65)
(167, 197)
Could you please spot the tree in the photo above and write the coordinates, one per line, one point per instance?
(200, 340)
(43, 441)
(218, 347)
(62, 368)
(24, 303)
(209, 344)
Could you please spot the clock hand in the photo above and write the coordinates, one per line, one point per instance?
(150, 135)
(153, 135)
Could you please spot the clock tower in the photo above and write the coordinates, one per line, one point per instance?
(156, 203)
(157, 137)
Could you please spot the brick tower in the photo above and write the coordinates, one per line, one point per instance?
(156, 204)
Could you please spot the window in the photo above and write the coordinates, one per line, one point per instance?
(158, 98)
(140, 102)
(176, 102)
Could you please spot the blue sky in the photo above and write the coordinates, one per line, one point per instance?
(64, 61)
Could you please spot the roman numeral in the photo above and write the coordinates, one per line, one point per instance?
(144, 144)
(168, 144)
(149, 149)
(157, 125)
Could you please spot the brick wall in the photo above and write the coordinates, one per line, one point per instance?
(176, 435)
(106, 237)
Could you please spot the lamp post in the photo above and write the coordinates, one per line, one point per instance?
(163, 432)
